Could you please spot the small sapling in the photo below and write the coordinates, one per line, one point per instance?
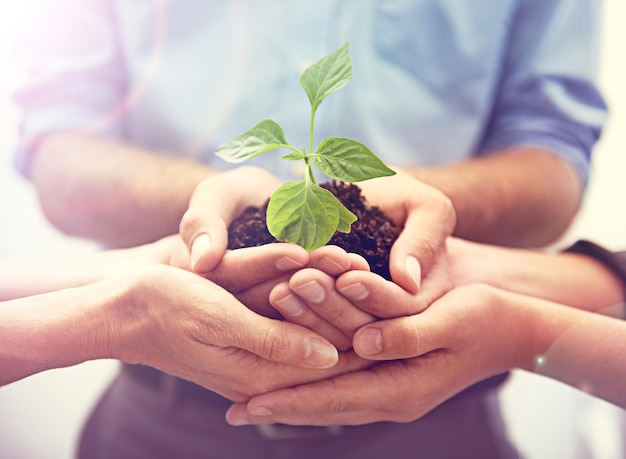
(302, 212)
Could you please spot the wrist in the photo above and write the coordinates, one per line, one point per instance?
(472, 262)
(127, 314)
(55, 330)
(516, 342)
(538, 324)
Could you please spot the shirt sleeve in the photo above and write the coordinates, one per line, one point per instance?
(70, 74)
(548, 94)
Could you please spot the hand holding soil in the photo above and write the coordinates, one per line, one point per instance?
(214, 204)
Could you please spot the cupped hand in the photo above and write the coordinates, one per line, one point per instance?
(426, 217)
(469, 334)
(335, 307)
(187, 326)
(249, 273)
(215, 203)
(308, 297)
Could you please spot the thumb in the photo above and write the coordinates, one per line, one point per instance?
(216, 201)
(206, 237)
(204, 226)
(401, 338)
(285, 343)
(420, 243)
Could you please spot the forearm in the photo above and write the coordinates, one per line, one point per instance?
(566, 278)
(578, 348)
(57, 330)
(21, 278)
(111, 192)
(518, 197)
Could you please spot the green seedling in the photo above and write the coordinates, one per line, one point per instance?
(302, 212)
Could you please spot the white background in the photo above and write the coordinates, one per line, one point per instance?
(40, 416)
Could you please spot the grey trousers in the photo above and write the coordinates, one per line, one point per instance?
(135, 421)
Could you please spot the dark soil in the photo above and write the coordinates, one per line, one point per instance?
(372, 234)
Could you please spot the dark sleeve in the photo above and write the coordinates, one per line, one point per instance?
(615, 261)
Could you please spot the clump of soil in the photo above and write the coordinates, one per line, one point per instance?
(372, 235)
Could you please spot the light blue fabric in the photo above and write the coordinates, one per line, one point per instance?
(434, 80)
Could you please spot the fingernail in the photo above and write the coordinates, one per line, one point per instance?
(311, 292)
(369, 341)
(290, 305)
(414, 270)
(320, 354)
(238, 421)
(287, 264)
(260, 411)
(200, 246)
(356, 291)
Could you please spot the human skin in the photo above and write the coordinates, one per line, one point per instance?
(168, 318)
(563, 277)
(475, 331)
(521, 197)
(127, 196)
(426, 214)
(424, 211)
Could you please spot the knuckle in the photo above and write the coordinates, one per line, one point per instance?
(438, 205)
(443, 205)
(337, 405)
(386, 308)
(428, 246)
(331, 311)
(381, 309)
(275, 345)
(411, 341)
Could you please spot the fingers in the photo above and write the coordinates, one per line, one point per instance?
(312, 299)
(231, 374)
(214, 204)
(257, 297)
(435, 283)
(377, 296)
(427, 217)
(187, 308)
(340, 401)
(242, 268)
(428, 223)
(334, 260)
(405, 337)
(294, 309)
(381, 394)
(281, 342)
(205, 235)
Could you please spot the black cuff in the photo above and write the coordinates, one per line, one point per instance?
(615, 261)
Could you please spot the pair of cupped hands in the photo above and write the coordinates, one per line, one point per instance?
(316, 338)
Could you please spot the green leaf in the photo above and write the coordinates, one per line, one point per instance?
(265, 136)
(346, 219)
(303, 213)
(330, 73)
(294, 156)
(348, 160)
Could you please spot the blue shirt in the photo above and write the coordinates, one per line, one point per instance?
(434, 80)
